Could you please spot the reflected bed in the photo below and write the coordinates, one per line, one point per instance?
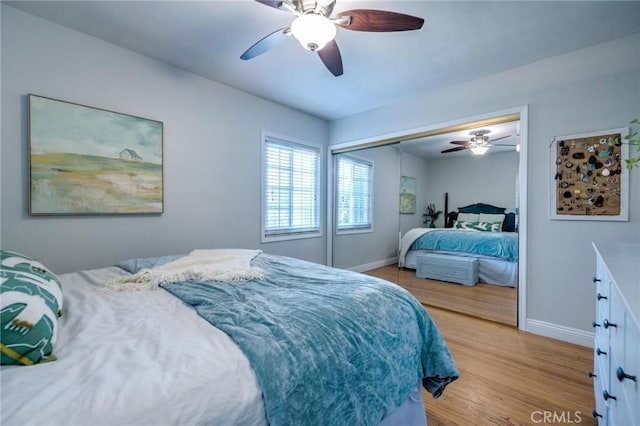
(481, 231)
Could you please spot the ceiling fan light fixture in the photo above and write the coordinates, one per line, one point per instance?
(313, 31)
(479, 150)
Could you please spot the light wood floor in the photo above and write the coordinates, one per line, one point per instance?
(507, 377)
(492, 302)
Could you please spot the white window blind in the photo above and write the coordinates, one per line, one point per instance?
(291, 188)
(354, 193)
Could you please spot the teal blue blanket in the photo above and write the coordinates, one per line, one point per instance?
(328, 346)
(497, 244)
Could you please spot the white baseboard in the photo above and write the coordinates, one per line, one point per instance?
(560, 332)
(374, 265)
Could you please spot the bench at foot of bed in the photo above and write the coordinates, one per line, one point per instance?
(462, 270)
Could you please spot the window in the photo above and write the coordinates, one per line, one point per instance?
(354, 194)
(291, 190)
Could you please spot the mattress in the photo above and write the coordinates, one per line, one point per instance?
(162, 365)
(130, 358)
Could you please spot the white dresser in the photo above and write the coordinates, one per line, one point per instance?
(616, 374)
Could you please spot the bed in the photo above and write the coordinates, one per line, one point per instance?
(482, 231)
(289, 342)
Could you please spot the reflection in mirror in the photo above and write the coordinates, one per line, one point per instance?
(365, 210)
(467, 261)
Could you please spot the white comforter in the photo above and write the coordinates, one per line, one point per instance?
(180, 370)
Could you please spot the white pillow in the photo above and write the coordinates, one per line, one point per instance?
(492, 218)
(468, 217)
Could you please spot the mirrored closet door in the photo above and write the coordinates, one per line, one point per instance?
(444, 206)
(459, 246)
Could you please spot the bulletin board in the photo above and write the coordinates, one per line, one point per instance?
(589, 180)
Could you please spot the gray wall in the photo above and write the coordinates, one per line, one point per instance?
(212, 150)
(589, 89)
(489, 178)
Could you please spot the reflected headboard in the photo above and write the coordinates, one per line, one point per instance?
(509, 224)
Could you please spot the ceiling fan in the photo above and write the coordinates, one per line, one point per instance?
(315, 29)
(478, 143)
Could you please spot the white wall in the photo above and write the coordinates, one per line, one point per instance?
(212, 150)
(589, 89)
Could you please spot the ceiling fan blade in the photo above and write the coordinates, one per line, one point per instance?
(266, 43)
(330, 56)
(460, 142)
(378, 21)
(457, 148)
(497, 139)
(276, 4)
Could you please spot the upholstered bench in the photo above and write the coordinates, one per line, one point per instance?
(457, 269)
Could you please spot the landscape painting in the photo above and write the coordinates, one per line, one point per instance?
(85, 160)
(407, 195)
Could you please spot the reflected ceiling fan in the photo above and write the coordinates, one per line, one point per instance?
(315, 28)
(478, 143)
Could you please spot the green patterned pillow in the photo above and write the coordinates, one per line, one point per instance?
(478, 226)
(30, 304)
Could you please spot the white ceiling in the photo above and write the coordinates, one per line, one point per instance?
(430, 147)
(460, 41)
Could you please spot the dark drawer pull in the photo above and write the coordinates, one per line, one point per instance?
(607, 396)
(600, 297)
(595, 414)
(622, 375)
(595, 324)
(600, 352)
(596, 280)
(608, 324)
(591, 374)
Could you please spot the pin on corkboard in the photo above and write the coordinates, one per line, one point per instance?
(588, 178)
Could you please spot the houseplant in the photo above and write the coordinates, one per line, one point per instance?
(431, 215)
(634, 140)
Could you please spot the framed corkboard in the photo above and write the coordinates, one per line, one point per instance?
(589, 180)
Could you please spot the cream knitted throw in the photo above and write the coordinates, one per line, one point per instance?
(200, 265)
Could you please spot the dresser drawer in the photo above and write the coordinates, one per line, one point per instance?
(601, 411)
(625, 355)
(625, 409)
(624, 336)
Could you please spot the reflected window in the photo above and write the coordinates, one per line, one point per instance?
(354, 194)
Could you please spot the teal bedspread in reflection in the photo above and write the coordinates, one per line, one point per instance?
(328, 346)
(497, 244)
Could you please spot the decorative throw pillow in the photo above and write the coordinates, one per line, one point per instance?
(491, 218)
(31, 302)
(478, 226)
(468, 217)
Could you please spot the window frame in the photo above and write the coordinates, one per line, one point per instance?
(291, 235)
(353, 229)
